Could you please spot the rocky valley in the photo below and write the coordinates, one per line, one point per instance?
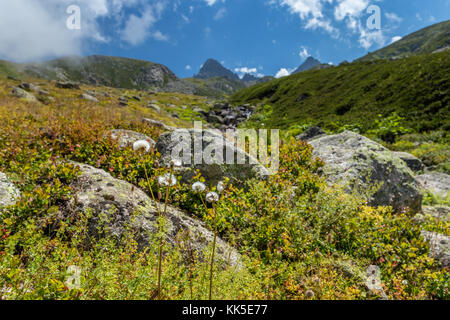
(88, 179)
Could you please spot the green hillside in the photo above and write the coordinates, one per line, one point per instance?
(416, 88)
(426, 40)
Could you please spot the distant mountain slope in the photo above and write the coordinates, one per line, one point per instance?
(427, 40)
(215, 87)
(309, 64)
(417, 88)
(214, 69)
(104, 70)
(120, 72)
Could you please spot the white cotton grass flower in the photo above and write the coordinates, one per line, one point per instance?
(141, 145)
(198, 187)
(168, 180)
(212, 197)
(220, 187)
(175, 163)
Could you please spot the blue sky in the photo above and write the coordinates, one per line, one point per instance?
(265, 37)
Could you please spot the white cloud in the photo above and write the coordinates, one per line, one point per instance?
(220, 14)
(36, 29)
(185, 18)
(368, 38)
(395, 39)
(207, 31)
(137, 29)
(283, 72)
(159, 36)
(324, 14)
(393, 17)
(188, 67)
(211, 2)
(246, 70)
(29, 31)
(304, 53)
(350, 8)
(311, 12)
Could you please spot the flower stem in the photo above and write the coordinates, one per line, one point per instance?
(161, 240)
(213, 253)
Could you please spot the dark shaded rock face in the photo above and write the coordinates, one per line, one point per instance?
(308, 65)
(172, 145)
(225, 116)
(311, 133)
(120, 205)
(156, 75)
(68, 85)
(411, 161)
(214, 69)
(357, 162)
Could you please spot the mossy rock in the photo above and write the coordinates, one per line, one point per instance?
(362, 164)
(120, 206)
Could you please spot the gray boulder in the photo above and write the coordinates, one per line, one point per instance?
(411, 161)
(126, 138)
(154, 107)
(88, 97)
(125, 206)
(157, 124)
(22, 94)
(435, 182)
(438, 212)
(311, 133)
(214, 147)
(30, 87)
(439, 247)
(9, 193)
(360, 163)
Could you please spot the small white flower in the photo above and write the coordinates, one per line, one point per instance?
(141, 145)
(212, 197)
(198, 187)
(167, 180)
(220, 187)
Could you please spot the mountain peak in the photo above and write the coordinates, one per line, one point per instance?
(309, 63)
(249, 77)
(214, 69)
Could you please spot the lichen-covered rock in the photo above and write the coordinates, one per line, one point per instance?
(154, 106)
(9, 193)
(22, 94)
(30, 87)
(125, 205)
(311, 133)
(414, 163)
(438, 212)
(126, 138)
(88, 97)
(439, 247)
(360, 163)
(210, 144)
(435, 182)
